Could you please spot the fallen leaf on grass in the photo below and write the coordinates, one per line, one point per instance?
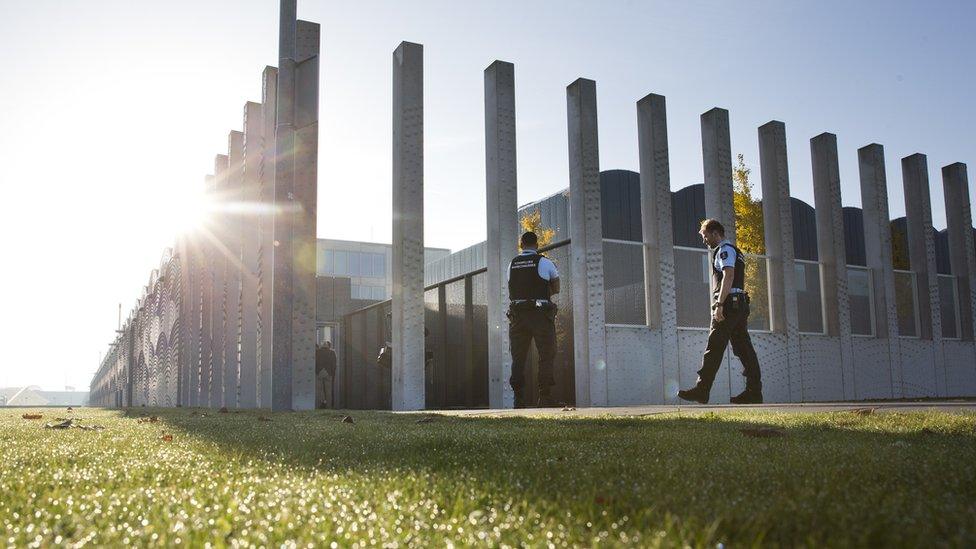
(66, 424)
(223, 410)
(863, 411)
(762, 432)
(263, 418)
(167, 438)
(569, 409)
(150, 419)
(31, 416)
(428, 419)
(347, 419)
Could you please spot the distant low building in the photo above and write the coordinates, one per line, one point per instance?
(35, 396)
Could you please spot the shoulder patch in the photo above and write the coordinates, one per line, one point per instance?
(725, 255)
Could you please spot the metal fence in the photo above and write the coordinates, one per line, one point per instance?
(456, 327)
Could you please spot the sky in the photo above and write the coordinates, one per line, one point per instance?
(111, 113)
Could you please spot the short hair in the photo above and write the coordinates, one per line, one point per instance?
(529, 240)
(710, 225)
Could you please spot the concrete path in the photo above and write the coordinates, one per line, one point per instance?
(950, 406)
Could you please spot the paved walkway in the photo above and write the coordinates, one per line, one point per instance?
(948, 406)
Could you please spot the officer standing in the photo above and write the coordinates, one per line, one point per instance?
(730, 319)
(532, 281)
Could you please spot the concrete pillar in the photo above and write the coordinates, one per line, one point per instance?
(218, 268)
(265, 222)
(778, 236)
(306, 195)
(295, 196)
(962, 257)
(877, 247)
(502, 193)
(655, 182)
(717, 158)
(921, 252)
(586, 234)
(408, 227)
(233, 190)
(250, 241)
(831, 250)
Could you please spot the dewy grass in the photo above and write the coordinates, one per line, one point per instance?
(308, 479)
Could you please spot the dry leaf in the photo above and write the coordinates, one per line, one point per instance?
(263, 418)
(167, 438)
(31, 416)
(66, 424)
(347, 419)
(427, 419)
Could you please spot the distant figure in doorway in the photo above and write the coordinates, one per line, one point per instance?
(532, 281)
(730, 319)
(325, 370)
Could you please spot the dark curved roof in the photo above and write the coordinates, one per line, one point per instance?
(621, 219)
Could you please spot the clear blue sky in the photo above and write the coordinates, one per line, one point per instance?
(112, 111)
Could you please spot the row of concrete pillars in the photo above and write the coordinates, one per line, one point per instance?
(586, 238)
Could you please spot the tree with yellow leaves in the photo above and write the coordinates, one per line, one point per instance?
(749, 238)
(532, 221)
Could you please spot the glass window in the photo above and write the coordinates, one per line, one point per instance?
(623, 277)
(691, 280)
(379, 292)
(366, 264)
(341, 267)
(905, 303)
(379, 265)
(808, 299)
(949, 306)
(329, 262)
(861, 300)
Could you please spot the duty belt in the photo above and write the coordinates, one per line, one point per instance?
(536, 302)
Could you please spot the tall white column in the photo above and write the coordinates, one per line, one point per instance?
(295, 197)
(655, 183)
(921, 252)
(832, 251)
(234, 191)
(250, 240)
(586, 234)
(218, 293)
(879, 382)
(962, 256)
(502, 193)
(408, 227)
(305, 191)
(269, 85)
(717, 159)
(778, 236)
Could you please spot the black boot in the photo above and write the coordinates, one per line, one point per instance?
(545, 398)
(749, 396)
(520, 399)
(697, 394)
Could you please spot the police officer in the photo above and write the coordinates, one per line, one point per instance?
(532, 281)
(730, 319)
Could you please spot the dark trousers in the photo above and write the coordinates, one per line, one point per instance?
(527, 325)
(733, 328)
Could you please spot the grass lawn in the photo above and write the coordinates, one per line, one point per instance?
(308, 478)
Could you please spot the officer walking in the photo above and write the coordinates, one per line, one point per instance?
(532, 281)
(730, 319)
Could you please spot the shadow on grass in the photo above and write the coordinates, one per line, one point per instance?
(826, 477)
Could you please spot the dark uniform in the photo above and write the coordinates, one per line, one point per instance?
(734, 327)
(532, 316)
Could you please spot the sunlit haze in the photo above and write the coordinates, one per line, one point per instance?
(112, 111)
